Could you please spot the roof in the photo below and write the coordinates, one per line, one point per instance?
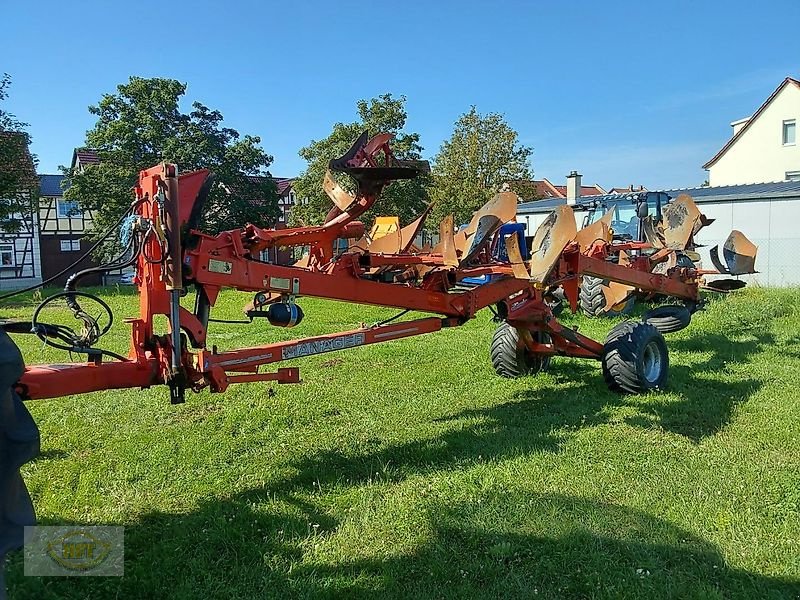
(583, 203)
(546, 189)
(85, 156)
(750, 191)
(720, 193)
(751, 120)
(284, 184)
(50, 185)
(626, 190)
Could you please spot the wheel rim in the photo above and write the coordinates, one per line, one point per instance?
(651, 362)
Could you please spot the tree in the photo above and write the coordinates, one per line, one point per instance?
(482, 154)
(383, 114)
(142, 125)
(18, 182)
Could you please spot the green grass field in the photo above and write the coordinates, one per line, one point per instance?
(410, 470)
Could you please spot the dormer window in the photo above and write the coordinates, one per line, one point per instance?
(789, 132)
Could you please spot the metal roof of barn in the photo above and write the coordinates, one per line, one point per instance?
(722, 193)
(583, 202)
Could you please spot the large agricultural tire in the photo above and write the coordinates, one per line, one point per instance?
(635, 358)
(593, 301)
(512, 359)
(669, 318)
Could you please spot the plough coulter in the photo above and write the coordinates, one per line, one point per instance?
(172, 257)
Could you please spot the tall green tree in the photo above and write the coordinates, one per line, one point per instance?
(384, 114)
(19, 185)
(482, 154)
(142, 125)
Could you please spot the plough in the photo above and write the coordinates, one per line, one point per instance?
(171, 256)
(668, 237)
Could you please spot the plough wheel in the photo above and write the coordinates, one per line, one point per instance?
(669, 318)
(510, 358)
(635, 358)
(593, 301)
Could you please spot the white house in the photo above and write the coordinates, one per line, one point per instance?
(763, 147)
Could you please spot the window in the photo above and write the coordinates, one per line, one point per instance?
(792, 175)
(292, 198)
(66, 209)
(70, 245)
(789, 128)
(7, 255)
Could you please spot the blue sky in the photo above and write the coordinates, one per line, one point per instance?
(625, 92)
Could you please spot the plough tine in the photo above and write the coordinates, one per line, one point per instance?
(652, 234)
(340, 197)
(409, 233)
(739, 254)
(617, 293)
(376, 142)
(599, 230)
(446, 246)
(680, 219)
(515, 258)
(552, 236)
(501, 209)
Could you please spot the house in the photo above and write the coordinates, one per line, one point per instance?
(62, 233)
(762, 147)
(20, 260)
(546, 189)
(287, 198)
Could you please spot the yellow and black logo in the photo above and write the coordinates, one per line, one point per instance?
(78, 550)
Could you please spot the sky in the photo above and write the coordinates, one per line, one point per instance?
(626, 93)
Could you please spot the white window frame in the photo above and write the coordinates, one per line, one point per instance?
(792, 175)
(785, 130)
(8, 247)
(64, 209)
(70, 245)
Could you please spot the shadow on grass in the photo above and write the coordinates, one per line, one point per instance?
(263, 542)
(541, 419)
(708, 396)
(506, 545)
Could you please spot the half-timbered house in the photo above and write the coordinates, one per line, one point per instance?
(20, 262)
(62, 232)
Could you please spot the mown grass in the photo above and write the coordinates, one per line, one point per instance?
(410, 470)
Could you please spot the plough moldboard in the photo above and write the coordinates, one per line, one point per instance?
(172, 257)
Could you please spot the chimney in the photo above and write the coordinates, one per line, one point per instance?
(573, 187)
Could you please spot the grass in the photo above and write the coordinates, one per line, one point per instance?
(410, 470)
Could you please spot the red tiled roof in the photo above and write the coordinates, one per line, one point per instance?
(284, 184)
(586, 190)
(755, 116)
(85, 156)
(545, 189)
